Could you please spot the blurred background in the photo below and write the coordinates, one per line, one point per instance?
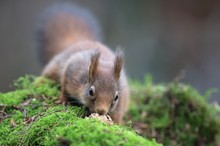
(163, 38)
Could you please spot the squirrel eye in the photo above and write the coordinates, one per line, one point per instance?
(92, 91)
(116, 96)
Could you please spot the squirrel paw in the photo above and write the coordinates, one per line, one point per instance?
(62, 101)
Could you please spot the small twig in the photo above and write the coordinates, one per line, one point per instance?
(3, 112)
(13, 122)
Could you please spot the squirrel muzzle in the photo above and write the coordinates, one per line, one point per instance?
(101, 110)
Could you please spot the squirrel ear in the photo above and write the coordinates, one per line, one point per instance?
(119, 61)
(94, 64)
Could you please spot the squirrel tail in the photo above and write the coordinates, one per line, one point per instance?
(62, 25)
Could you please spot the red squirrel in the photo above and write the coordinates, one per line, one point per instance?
(89, 72)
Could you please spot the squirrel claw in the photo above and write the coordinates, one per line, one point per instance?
(61, 101)
(64, 102)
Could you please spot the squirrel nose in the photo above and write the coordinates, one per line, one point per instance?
(101, 111)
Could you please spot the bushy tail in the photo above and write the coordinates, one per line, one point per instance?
(62, 25)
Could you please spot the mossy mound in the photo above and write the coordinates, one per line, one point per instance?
(30, 116)
(174, 114)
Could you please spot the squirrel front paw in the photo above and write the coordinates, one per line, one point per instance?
(62, 100)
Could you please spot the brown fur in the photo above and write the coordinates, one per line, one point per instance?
(83, 64)
(58, 29)
(119, 61)
(94, 65)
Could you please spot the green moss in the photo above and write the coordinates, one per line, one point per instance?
(174, 114)
(29, 87)
(30, 116)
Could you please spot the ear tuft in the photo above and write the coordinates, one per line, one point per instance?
(119, 61)
(94, 61)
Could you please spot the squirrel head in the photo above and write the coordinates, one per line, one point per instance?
(103, 88)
